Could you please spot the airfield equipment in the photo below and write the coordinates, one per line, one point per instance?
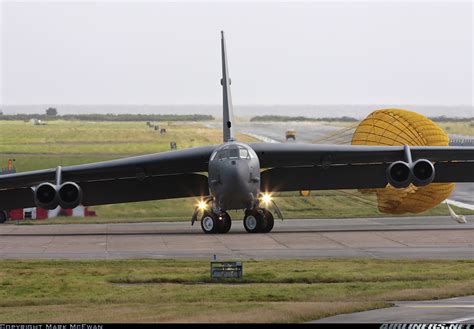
(290, 134)
(305, 192)
(226, 270)
(396, 159)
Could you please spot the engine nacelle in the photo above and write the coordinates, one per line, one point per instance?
(46, 196)
(399, 174)
(69, 195)
(423, 172)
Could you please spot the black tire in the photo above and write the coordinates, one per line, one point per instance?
(3, 216)
(268, 221)
(224, 224)
(253, 221)
(209, 222)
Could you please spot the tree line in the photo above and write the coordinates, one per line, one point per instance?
(282, 118)
(109, 117)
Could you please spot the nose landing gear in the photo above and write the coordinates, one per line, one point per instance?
(258, 220)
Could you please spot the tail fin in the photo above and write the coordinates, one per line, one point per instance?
(228, 114)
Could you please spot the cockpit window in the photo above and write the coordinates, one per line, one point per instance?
(232, 152)
(243, 153)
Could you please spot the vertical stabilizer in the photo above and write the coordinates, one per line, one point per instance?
(228, 113)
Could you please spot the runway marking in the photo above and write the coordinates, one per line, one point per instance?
(260, 137)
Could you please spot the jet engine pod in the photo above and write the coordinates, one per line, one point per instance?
(46, 196)
(399, 174)
(423, 172)
(69, 195)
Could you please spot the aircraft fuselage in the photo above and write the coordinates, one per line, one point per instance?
(234, 176)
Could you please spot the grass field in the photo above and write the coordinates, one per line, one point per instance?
(74, 142)
(181, 291)
(461, 128)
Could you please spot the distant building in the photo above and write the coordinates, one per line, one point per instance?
(37, 122)
(40, 213)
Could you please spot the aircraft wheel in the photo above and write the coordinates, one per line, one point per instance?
(3, 216)
(209, 222)
(224, 224)
(268, 221)
(253, 221)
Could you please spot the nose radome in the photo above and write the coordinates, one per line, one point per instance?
(237, 172)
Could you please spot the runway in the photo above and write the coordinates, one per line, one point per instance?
(452, 310)
(402, 237)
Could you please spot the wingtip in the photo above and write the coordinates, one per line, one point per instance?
(222, 34)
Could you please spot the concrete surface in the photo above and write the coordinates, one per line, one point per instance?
(452, 310)
(403, 237)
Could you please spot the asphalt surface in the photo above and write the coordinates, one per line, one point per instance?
(397, 237)
(452, 310)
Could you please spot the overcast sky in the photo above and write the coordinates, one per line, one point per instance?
(279, 53)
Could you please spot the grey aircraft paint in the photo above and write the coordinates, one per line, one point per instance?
(228, 115)
(234, 176)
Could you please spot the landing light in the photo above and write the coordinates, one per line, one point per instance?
(266, 198)
(202, 205)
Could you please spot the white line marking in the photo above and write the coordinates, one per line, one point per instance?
(262, 138)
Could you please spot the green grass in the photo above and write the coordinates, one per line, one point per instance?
(102, 138)
(181, 291)
(461, 128)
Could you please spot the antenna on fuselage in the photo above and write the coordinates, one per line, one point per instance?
(228, 112)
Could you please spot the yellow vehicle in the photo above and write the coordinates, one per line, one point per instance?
(305, 193)
(290, 133)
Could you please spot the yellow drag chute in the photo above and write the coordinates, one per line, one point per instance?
(401, 127)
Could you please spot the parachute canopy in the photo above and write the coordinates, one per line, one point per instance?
(401, 127)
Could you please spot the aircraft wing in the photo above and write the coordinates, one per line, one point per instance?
(147, 177)
(294, 167)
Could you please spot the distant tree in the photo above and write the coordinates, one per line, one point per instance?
(1, 112)
(51, 112)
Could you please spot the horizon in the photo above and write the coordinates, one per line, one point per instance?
(358, 111)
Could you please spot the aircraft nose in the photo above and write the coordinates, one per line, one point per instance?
(236, 187)
(237, 171)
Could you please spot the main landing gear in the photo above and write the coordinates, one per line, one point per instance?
(255, 221)
(213, 223)
(258, 221)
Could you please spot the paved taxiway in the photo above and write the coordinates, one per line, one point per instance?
(452, 310)
(402, 237)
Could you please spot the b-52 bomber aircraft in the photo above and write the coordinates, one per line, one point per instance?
(239, 175)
